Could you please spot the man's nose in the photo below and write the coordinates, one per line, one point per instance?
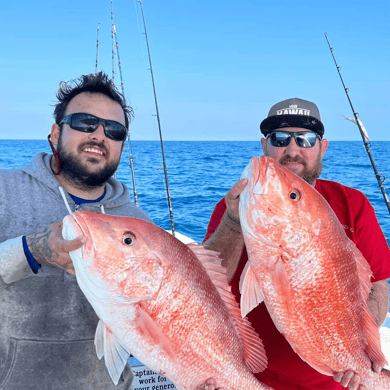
(98, 134)
(292, 149)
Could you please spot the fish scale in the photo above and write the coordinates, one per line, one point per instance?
(311, 277)
(166, 303)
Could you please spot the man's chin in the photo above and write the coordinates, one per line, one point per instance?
(296, 168)
(98, 161)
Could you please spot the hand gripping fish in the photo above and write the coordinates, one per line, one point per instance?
(166, 304)
(313, 279)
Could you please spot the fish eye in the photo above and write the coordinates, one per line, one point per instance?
(128, 238)
(295, 194)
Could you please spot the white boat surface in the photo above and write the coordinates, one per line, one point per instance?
(385, 339)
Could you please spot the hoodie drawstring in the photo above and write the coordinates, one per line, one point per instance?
(64, 198)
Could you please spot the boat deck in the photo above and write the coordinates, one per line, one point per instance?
(385, 339)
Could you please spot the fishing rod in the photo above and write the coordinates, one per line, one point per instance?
(112, 42)
(97, 49)
(131, 116)
(363, 133)
(159, 124)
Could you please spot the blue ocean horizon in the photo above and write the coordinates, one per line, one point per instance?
(201, 172)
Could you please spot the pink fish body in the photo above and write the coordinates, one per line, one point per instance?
(314, 281)
(156, 301)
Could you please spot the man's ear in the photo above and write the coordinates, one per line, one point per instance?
(264, 145)
(324, 146)
(55, 133)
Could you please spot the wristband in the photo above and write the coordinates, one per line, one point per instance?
(34, 265)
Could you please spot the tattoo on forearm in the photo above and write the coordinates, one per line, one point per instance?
(378, 302)
(38, 244)
(233, 230)
(374, 306)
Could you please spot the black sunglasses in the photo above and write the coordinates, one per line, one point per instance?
(88, 123)
(281, 139)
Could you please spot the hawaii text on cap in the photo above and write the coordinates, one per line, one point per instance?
(293, 112)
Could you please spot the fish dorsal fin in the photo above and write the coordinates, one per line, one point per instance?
(115, 356)
(251, 291)
(373, 350)
(254, 353)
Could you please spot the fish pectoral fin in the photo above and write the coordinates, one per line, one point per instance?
(115, 356)
(153, 334)
(251, 291)
(99, 340)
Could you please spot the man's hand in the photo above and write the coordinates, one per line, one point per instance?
(228, 239)
(349, 379)
(48, 247)
(232, 199)
(210, 384)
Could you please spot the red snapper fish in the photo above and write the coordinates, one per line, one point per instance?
(166, 303)
(314, 281)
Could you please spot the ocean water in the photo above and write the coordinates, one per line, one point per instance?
(200, 174)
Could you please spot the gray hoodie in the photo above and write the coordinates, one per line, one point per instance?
(46, 324)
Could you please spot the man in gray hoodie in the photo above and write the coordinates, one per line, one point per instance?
(46, 324)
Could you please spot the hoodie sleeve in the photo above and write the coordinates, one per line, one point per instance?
(13, 262)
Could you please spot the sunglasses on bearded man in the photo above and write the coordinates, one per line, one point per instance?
(88, 123)
(281, 139)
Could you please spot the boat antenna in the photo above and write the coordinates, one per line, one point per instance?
(363, 133)
(97, 49)
(112, 42)
(130, 118)
(159, 124)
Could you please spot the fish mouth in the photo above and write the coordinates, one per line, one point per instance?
(70, 221)
(99, 291)
(253, 166)
(77, 223)
(258, 173)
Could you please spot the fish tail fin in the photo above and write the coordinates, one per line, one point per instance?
(254, 353)
(373, 349)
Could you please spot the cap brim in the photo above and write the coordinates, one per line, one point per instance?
(282, 121)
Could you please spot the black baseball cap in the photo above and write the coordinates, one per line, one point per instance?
(293, 112)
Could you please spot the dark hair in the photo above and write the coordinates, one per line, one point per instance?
(93, 83)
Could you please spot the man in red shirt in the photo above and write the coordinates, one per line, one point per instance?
(294, 137)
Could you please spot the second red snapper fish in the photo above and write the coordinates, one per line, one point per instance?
(312, 278)
(166, 304)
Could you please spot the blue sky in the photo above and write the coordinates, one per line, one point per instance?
(218, 65)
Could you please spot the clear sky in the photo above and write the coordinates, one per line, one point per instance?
(218, 65)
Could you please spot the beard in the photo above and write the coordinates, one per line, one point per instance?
(309, 175)
(79, 173)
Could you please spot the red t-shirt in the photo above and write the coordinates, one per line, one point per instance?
(286, 370)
